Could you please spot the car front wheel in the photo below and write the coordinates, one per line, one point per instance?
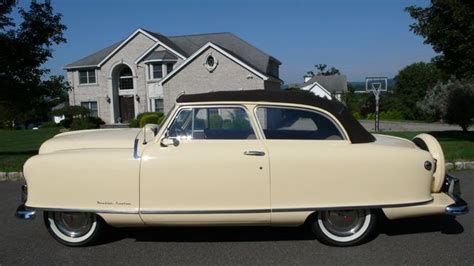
(343, 227)
(73, 228)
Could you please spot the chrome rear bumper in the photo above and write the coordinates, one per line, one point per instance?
(453, 188)
(23, 212)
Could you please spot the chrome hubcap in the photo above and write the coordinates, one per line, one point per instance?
(343, 223)
(73, 224)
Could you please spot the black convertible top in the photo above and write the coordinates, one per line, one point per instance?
(354, 129)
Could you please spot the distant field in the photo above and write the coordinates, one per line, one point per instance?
(457, 145)
(16, 146)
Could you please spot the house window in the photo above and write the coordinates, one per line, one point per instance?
(92, 106)
(87, 76)
(126, 79)
(159, 107)
(169, 68)
(157, 71)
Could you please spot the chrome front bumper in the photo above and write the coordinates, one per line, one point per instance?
(23, 212)
(452, 187)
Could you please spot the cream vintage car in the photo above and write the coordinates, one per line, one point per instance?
(238, 158)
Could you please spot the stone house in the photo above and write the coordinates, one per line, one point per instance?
(147, 71)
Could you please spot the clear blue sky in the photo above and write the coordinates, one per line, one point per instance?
(360, 37)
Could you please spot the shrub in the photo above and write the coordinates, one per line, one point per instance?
(151, 118)
(71, 111)
(86, 123)
(136, 122)
(357, 115)
(50, 124)
(460, 106)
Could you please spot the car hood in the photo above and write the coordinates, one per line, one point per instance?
(393, 141)
(91, 139)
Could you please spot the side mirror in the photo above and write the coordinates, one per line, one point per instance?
(165, 142)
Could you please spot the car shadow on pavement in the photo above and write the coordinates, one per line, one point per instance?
(444, 224)
(208, 234)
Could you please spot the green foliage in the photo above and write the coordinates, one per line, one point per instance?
(80, 123)
(357, 115)
(153, 118)
(387, 115)
(449, 27)
(411, 85)
(215, 121)
(136, 122)
(322, 70)
(434, 104)
(460, 106)
(50, 124)
(24, 49)
(71, 111)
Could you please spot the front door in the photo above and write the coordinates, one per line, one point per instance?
(217, 174)
(127, 108)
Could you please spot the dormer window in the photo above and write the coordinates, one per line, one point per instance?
(87, 76)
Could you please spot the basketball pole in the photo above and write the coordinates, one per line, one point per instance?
(377, 119)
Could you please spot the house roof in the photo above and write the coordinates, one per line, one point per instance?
(357, 133)
(333, 83)
(160, 55)
(95, 58)
(187, 45)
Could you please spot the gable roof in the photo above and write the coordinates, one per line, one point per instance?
(333, 83)
(94, 59)
(219, 49)
(160, 55)
(230, 43)
(187, 45)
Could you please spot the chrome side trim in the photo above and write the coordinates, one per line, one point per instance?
(309, 209)
(234, 211)
(123, 211)
(238, 211)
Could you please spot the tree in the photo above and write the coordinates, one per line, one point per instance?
(411, 85)
(450, 101)
(329, 72)
(448, 25)
(24, 94)
(460, 107)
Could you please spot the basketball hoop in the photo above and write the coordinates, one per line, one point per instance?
(376, 85)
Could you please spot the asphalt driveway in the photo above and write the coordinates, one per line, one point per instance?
(429, 240)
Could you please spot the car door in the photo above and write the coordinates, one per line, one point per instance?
(217, 171)
(311, 158)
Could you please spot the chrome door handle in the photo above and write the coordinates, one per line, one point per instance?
(254, 153)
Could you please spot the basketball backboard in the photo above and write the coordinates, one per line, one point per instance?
(376, 84)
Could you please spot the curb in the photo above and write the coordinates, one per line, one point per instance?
(11, 176)
(18, 176)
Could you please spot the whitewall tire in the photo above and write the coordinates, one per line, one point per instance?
(343, 227)
(73, 229)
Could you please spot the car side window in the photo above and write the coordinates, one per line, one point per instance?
(212, 123)
(298, 124)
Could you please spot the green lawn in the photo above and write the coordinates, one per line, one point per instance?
(457, 145)
(16, 146)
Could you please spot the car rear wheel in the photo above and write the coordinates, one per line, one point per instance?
(343, 227)
(73, 228)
